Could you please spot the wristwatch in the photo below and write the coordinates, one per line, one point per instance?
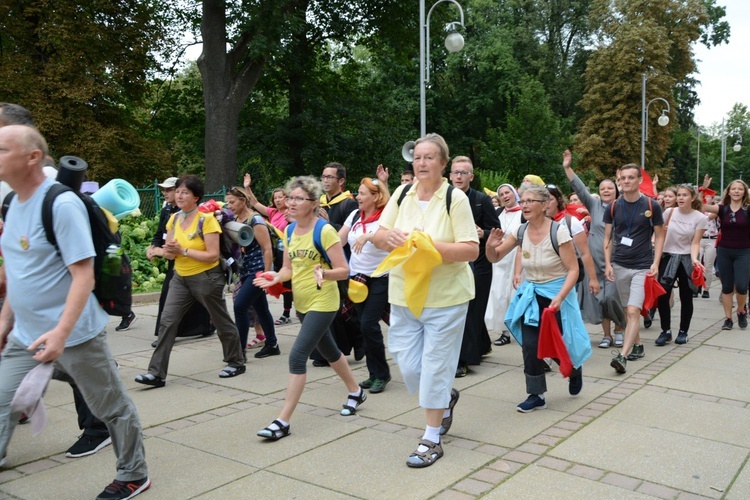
(184, 252)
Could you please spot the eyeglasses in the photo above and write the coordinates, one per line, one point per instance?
(298, 199)
(552, 187)
(460, 172)
(529, 202)
(329, 177)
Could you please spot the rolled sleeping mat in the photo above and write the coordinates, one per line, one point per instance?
(119, 197)
(242, 234)
(71, 172)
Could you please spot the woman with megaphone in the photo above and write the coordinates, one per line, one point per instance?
(358, 231)
(257, 256)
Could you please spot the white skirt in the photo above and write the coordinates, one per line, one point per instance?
(501, 292)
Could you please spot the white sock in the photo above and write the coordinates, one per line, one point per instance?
(430, 434)
(353, 402)
(275, 427)
(541, 396)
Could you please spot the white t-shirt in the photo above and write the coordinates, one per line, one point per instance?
(541, 262)
(370, 257)
(681, 229)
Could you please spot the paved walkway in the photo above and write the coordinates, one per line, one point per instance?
(674, 426)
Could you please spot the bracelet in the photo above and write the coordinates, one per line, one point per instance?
(323, 274)
(184, 252)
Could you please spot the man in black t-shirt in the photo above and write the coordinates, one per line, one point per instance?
(634, 219)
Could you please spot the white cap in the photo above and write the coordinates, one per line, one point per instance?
(170, 182)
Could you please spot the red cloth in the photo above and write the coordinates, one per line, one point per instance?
(551, 344)
(698, 279)
(653, 291)
(275, 290)
(209, 207)
(707, 195)
(647, 186)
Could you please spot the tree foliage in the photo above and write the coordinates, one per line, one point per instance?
(81, 69)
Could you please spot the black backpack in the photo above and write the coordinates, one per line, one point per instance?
(116, 298)
(555, 245)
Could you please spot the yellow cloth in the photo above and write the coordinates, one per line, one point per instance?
(111, 220)
(489, 193)
(453, 282)
(417, 256)
(190, 239)
(326, 203)
(534, 179)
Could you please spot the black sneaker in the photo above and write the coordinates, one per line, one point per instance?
(378, 385)
(619, 363)
(664, 338)
(533, 402)
(122, 490)
(126, 322)
(575, 382)
(742, 320)
(268, 350)
(462, 371)
(682, 337)
(706, 295)
(319, 363)
(647, 322)
(636, 353)
(23, 419)
(366, 384)
(696, 294)
(88, 445)
(728, 324)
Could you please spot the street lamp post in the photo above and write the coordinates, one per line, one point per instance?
(453, 42)
(736, 148)
(662, 121)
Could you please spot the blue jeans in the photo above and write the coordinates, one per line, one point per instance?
(252, 296)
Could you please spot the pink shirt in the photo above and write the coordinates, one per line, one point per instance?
(277, 218)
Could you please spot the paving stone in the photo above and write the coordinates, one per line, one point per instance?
(490, 449)
(534, 449)
(473, 487)
(625, 482)
(489, 476)
(571, 426)
(657, 490)
(546, 440)
(520, 456)
(584, 471)
(453, 495)
(558, 432)
(506, 466)
(554, 463)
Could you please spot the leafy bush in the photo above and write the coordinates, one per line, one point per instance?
(137, 233)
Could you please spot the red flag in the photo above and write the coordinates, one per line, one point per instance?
(708, 195)
(551, 344)
(647, 186)
(275, 290)
(653, 291)
(698, 279)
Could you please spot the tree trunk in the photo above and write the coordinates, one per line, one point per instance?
(228, 78)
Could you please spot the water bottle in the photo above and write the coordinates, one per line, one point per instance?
(111, 269)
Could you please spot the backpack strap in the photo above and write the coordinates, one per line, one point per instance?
(448, 197)
(317, 239)
(317, 232)
(49, 199)
(356, 217)
(552, 235)
(6, 203)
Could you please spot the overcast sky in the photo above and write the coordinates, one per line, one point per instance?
(725, 70)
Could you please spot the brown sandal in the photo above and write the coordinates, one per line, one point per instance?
(419, 460)
(445, 425)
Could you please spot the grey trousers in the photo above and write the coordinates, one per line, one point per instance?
(94, 371)
(207, 288)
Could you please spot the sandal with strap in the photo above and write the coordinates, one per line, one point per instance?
(275, 434)
(347, 410)
(232, 371)
(152, 380)
(605, 343)
(256, 343)
(445, 426)
(503, 340)
(419, 459)
(283, 320)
